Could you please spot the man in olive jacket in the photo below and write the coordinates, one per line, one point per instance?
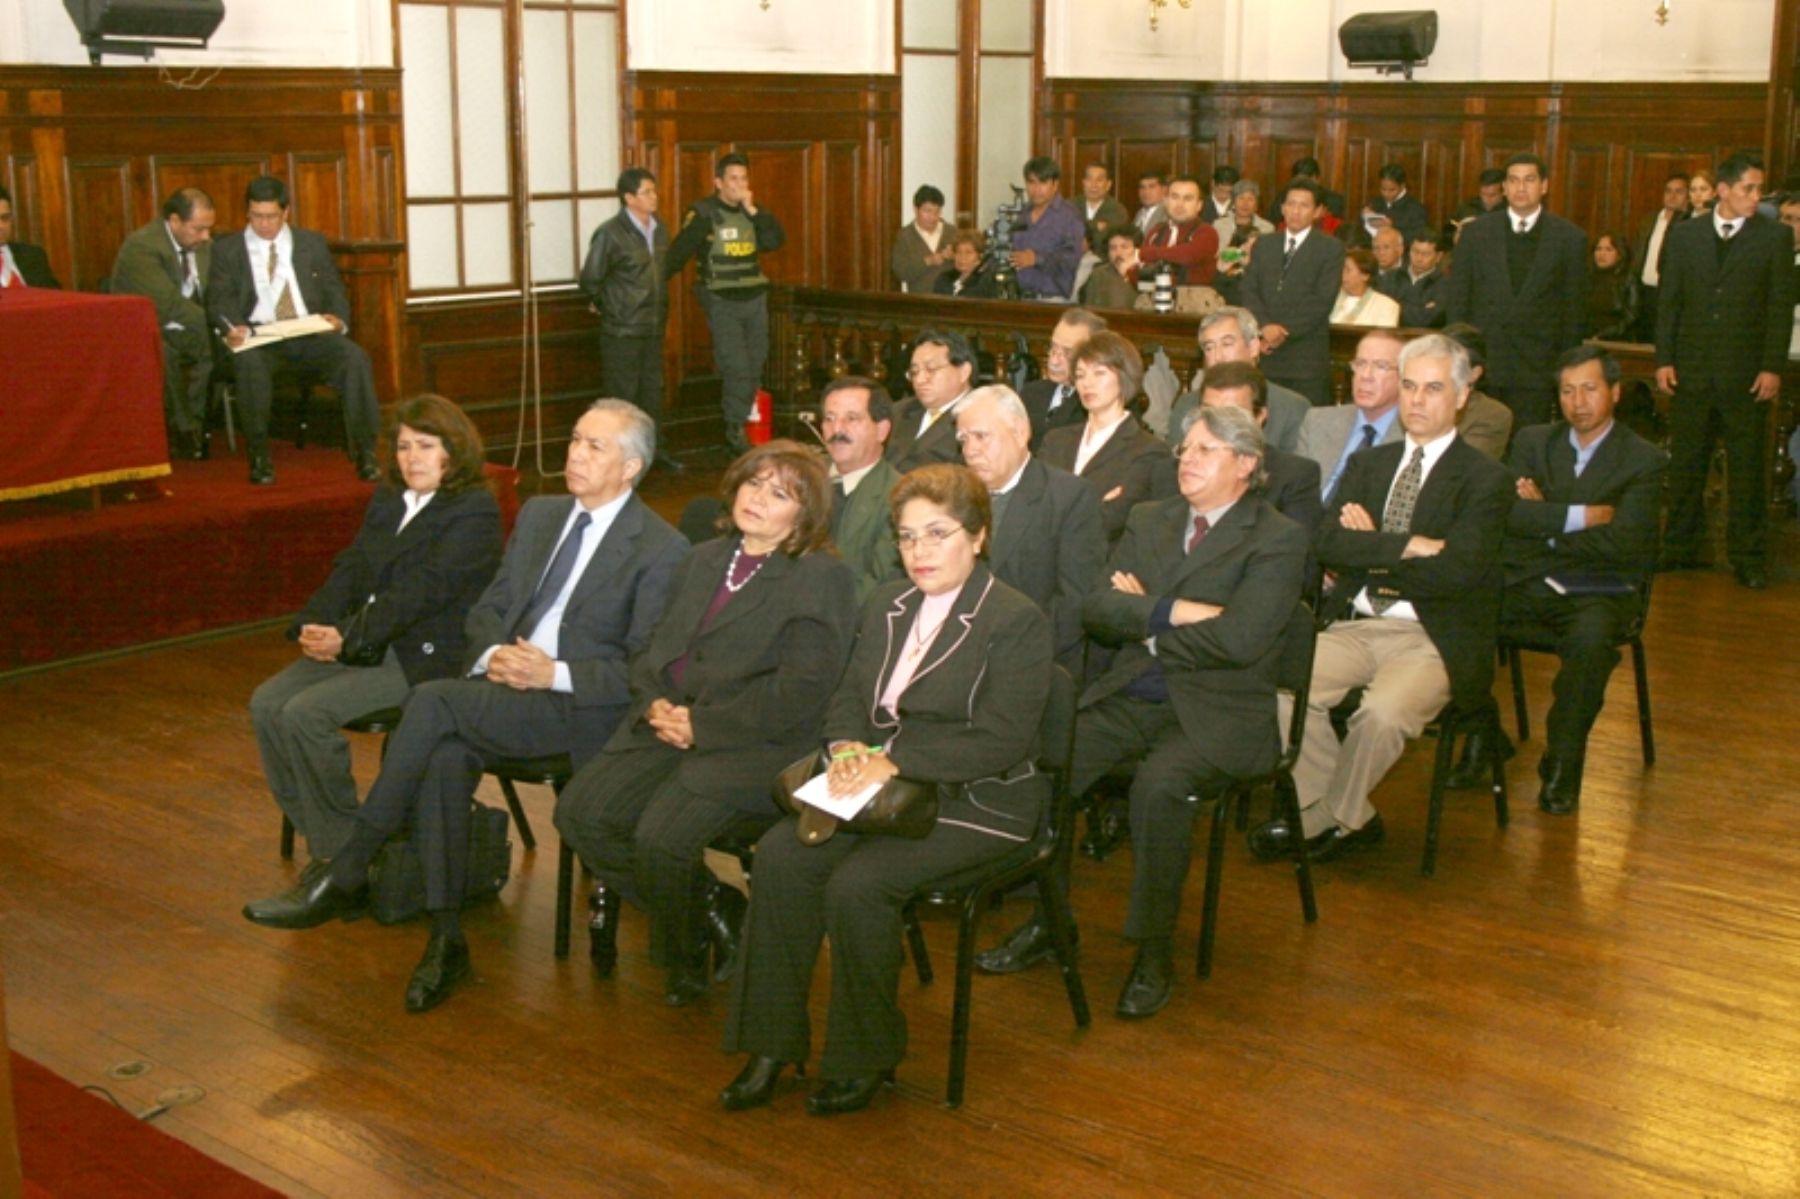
(167, 261)
(623, 281)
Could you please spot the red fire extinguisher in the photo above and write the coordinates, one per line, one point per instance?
(760, 427)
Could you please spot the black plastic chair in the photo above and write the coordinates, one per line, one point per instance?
(1452, 723)
(381, 722)
(970, 891)
(1513, 649)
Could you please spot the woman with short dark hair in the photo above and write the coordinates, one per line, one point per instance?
(1118, 457)
(1614, 293)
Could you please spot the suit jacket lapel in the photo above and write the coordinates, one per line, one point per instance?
(955, 629)
(610, 554)
(1021, 514)
(1221, 540)
(755, 594)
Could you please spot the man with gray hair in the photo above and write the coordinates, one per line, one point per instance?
(1197, 596)
(583, 582)
(1233, 335)
(1413, 536)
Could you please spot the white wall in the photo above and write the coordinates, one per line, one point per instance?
(1478, 40)
(255, 33)
(824, 37)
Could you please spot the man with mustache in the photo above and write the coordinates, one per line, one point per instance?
(855, 417)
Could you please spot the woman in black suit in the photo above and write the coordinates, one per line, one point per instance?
(731, 688)
(947, 685)
(389, 617)
(1614, 293)
(1123, 461)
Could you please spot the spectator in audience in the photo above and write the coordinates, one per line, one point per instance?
(1394, 207)
(922, 248)
(21, 263)
(1114, 283)
(1102, 210)
(583, 582)
(727, 233)
(1153, 186)
(856, 417)
(1051, 401)
(1485, 422)
(1389, 246)
(1701, 190)
(1358, 303)
(1422, 304)
(1238, 230)
(1290, 286)
(1613, 296)
(1048, 244)
(947, 686)
(1111, 452)
(968, 276)
(942, 371)
(1189, 245)
(1233, 335)
(1650, 247)
(1586, 514)
(1331, 436)
(1218, 201)
(1490, 194)
(731, 688)
(167, 262)
(1521, 277)
(1330, 203)
(1291, 482)
(1723, 323)
(271, 271)
(1049, 541)
(1414, 537)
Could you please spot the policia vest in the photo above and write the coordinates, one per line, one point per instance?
(731, 262)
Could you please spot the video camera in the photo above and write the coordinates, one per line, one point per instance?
(1008, 217)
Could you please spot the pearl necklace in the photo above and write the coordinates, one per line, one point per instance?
(738, 555)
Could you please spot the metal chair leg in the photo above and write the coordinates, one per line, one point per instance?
(1515, 663)
(1446, 754)
(518, 814)
(959, 1010)
(1645, 730)
(287, 839)
(1062, 933)
(1215, 866)
(1500, 813)
(1290, 800)
(565, 897)
(915, 940)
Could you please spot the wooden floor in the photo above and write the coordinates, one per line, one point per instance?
(1601, 1005)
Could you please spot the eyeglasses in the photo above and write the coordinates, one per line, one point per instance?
(934, 536)
(1374, 366)
(924, 370)
(1182, 451)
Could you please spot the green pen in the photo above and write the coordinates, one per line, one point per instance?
(851, 753)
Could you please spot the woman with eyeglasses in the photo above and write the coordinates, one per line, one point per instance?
(1111, 451)
(947, 685)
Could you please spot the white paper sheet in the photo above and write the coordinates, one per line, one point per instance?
(817, 792)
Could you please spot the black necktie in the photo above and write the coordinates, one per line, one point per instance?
(839, 500)
(555, 579)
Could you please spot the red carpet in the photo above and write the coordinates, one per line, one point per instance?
(74, 1143)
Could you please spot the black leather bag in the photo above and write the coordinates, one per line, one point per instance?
(902, 808)
(397, 878)
(358, 649)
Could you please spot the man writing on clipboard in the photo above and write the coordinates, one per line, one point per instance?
(271, 272)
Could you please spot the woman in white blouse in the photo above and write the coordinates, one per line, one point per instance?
(1123, 461)
(1358, 302)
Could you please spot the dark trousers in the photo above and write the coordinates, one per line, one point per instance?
(450, 730)
(631, 369)
(1645, 329)
(851, 889)
(1697, 418)
(187, 378)
(1312, 380)
(740, 337)
(645, 835)
(324, 357)
(1584, 630)
(1531, 405)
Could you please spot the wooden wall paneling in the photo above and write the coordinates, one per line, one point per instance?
(1137, 155)
(1202, 156)
(319, 191)
(1781, 112)
(100, 190)
(223, 176)
(845, 239)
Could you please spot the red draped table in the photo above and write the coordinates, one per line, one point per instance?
(81, 402)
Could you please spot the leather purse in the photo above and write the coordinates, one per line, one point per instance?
(902, 808)
(358, 650)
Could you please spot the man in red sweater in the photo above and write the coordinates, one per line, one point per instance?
(1184, 241)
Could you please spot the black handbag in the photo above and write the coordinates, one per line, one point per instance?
(358, 649)
(397, 877)
(902, 808)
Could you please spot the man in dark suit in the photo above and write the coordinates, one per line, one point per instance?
(582, 585)
(1232, 334)
(1724, 319)
(1290, 482)
(924, 429)
(1521, 277)
(1651, 245)
(1197, 596)
(1290, 285)
(1331, 204)
(1424, 295)
(21, 263)
(271, 271)
(1389, 245)
(1051, 401)
(1049, 539)
(856, 416)
(1586, 515)
(168, 262)
(1394, 207)
(1414, 539)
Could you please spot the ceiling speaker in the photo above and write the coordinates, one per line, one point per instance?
(139, 26)
(1389, 41)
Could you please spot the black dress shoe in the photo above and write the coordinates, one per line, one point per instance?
(842, 1095)
(262, 470)
(1273, 840)
(688, 981)
(1341, 840)
(1028, 945)
(669, 465)
(366, 470)
(754, 1086)
(1150, 983)
(603, 931)
(1562, 784)
(308, 904)
(1753, 577)
(1475, 771)
(446, 963)
(1108, 827)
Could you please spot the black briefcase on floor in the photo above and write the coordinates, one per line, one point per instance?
(397, 879)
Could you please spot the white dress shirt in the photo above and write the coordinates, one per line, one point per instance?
(1434, 450)
(268, 291)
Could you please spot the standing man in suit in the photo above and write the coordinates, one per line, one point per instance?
(1521, 278)
(1290, 285)
(622, 278)
(924, 428)
(1588, 489)
(855, 418)
(1651, 244)
(1724, 319)
(922, 248)
(168, 262)
(1049, 540)
(582, 585)
(21, 263)
(1233, 335)
(729, 234)
(1051, 401)
(1423, 293)
(1414, 538)
(1101, 209)
(1393, 207)
(1290, 481)
(1331, 436)
(272, 271)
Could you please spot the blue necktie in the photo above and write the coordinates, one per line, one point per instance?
(555, 579)
(1368, 439)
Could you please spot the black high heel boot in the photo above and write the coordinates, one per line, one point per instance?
(725, 907)
(603, 930)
